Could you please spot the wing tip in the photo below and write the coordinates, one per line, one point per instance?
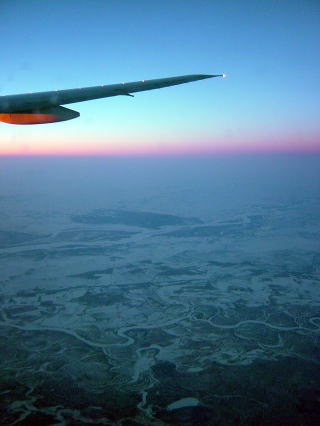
(204, 76)
(213, 75)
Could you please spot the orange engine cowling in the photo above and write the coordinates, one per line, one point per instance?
(39, 116)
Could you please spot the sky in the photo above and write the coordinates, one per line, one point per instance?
(269, 49)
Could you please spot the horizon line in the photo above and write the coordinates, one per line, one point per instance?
(226, 152)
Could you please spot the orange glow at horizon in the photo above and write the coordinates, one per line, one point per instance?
(146, 145)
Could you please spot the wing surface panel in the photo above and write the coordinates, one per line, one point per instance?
(29, 101)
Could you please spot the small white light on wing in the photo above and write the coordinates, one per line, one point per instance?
(224, 75)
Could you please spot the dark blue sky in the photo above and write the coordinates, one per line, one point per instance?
(269, 49)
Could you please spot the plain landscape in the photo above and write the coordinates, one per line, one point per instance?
(140, 291)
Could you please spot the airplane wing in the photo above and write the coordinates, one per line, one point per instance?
(45, 107)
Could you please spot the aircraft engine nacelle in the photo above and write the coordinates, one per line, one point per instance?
(39, 115)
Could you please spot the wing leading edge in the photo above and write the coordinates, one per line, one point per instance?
(45, 107)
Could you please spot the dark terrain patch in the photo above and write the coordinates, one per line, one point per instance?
(262, 393)
(93, 235)
(133, 218)
(208, 231)
(169, 271)
(99, 299)
(93, 275)
(55, 253)
(11, 238)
